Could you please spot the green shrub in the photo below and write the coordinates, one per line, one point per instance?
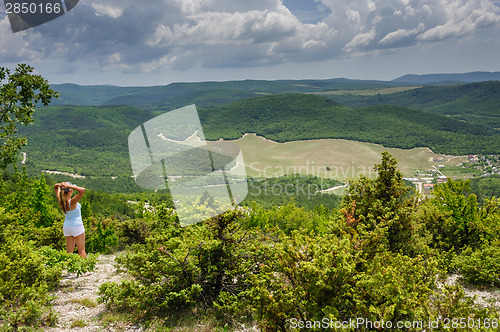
(454, 221)
(164, 271)
(100, 235)
(287, 218)
(379, 214)
(488, 222)
(132, 231)
(27, 274)
(150, 219)
(305, 277)
(72, 263)
(480, 267)
(395, 288)
(42, 202)
(24, 284)
(178, 269)
(51, 236)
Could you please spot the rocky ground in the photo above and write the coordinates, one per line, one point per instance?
(76, 300)
(483, 297)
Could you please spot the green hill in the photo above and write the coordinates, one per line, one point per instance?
(82, 139)
(294, 117)
(486, 187)
(92, 141)
(477, 76)
(204, 94)
(87, 95)
(476, 103)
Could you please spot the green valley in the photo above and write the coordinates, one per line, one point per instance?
(474, 103)
(91, 141)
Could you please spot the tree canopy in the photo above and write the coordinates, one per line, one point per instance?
(19, 93)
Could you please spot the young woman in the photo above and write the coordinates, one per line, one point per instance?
(73, 224)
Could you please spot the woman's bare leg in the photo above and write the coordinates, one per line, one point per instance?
(70, 243)
(80, 245)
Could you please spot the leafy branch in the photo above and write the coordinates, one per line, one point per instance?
(19, 94)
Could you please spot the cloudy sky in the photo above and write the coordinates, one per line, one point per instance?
(130, 42)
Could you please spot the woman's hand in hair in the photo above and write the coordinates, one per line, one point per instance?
(80, 193)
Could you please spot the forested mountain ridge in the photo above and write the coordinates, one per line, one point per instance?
(292, 117)
(173, 94)
(476, 103)
(83, 139)
(86, 95)
(477, 76)
(93, 140)
(164, 95)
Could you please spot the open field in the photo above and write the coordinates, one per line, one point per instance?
(345, 159)
(459, 172)
(367, 92)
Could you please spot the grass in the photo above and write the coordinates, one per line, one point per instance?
(86, 302)
(199, 320)
(457, 172)
(116, 321)
(344, 159)
(78, 323)
(366, 92)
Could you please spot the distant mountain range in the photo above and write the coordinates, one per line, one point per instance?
(212, 94)
(477, 76)
(204, 94)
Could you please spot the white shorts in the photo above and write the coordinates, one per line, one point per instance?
(73, 230)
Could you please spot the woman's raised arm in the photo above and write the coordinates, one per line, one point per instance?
(80, 190)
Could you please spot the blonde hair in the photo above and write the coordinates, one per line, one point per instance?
(63, 201)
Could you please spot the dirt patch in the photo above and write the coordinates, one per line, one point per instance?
(482, 297)
(76, 300)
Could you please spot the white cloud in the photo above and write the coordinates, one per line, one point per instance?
(410, 11)
(361, 40)
(353, 17)
(14, 46)
(462, 19)
(403, 23)
(107, 9)
(400, 34)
